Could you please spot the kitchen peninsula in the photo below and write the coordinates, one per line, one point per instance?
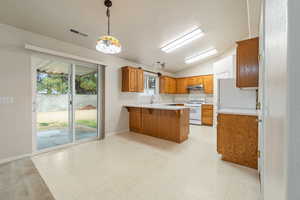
(169, 122)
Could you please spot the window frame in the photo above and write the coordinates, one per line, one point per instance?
(146, 86)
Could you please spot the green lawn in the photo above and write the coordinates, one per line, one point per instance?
(88, 123)
(58, 125)
(52, 125)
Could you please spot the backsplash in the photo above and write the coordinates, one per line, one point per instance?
(194, 96)
(161, 98)
(136, 98)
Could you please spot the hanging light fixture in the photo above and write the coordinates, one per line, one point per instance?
(108, 44)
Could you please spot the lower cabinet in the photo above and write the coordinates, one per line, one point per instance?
(207, 114)
(172, 125)
(135, 121)
(237, 139)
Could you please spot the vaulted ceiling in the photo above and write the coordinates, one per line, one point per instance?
(142, 26)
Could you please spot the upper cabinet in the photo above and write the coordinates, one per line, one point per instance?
(182, 84)
(132, 79)
(195, 80)
(140, 80)
(208, 83)
(167, 85)
(247, 63)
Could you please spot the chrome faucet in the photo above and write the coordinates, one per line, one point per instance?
(152, 99)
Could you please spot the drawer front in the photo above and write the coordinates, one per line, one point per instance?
(207, 113)
(207, 107)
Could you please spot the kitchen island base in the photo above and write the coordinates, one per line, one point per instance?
(172, 125)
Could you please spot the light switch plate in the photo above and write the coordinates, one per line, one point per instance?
(6, 100)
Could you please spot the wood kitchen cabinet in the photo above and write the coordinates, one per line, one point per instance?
(140, 80)
(207, 114)
(237, 139)
(208, 83)
(167, 85)
(195, 80)
(135, 121)
(132, 79)
(247, 63)
(182, 84)
(172, 125)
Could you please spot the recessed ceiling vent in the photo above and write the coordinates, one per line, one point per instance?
(79, 33)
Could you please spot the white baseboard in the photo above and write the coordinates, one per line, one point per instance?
(6, 160)
(115, 132)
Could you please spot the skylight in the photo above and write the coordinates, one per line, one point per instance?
(201, 55)
(183, 40)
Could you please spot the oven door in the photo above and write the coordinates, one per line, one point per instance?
(195, 114)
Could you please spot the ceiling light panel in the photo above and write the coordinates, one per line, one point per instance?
(201, 55)
(183, 40)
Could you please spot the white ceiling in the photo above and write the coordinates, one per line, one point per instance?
(142, 26)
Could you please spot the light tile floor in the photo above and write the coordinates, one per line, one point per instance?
(131, 166)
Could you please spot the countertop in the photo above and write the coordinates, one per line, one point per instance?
(156, 106)
(174, 103)
(233, 111)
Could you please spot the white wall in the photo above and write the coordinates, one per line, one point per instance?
(201, 69)
(293, 100)
(276, 100)
(15, 81)
(206, 67)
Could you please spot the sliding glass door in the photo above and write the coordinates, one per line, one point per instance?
(86, 102)
(66, 102)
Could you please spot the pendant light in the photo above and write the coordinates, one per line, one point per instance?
(108, 44)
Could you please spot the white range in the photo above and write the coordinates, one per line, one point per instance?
(195, 111)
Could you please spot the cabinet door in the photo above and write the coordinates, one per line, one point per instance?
(247, 63)
(182, 85)
(132, 80)
(238, 139)
(163, 85)
(199, 80)
(208, 84)
(172, 86)
(140, 80)
(125, 79)
(169, 85)
(207, 117)
(192, 81)
(135, 119)
(207, 114)
(150, 118)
